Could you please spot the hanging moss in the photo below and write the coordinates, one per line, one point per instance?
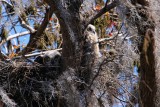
(50, 37)
(31, 10)
(36, 26)
(45, 40)
(41, 43)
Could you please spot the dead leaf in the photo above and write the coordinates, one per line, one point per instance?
(98, 7)
(11, 55)
(16, 46)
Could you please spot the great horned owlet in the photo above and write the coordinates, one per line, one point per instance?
(52, 60)
(91, 41)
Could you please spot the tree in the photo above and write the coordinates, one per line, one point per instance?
(86, 80)
(150, 74)
(146, 23)
(72, 29)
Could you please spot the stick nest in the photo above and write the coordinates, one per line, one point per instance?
(26, 84)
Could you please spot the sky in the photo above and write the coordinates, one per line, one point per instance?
(23, 39)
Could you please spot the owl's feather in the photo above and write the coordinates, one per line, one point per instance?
(91, 40)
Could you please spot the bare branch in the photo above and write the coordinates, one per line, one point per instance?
(14, 36)
(103, 10)
(39, 32)
(43, 26)
(40, 53)
(36, 54)
(110, 38)
(2, 56)
(32, 30)
(6, 2)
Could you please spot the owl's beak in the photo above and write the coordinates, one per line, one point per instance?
(94, 32)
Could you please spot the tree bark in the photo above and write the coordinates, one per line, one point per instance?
(148, 84)
(71, 29)
(148, 78)
(154, 5)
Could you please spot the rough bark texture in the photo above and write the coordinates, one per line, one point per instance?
(154, 5)
(72, 49)
(71, 28)
(148, 75)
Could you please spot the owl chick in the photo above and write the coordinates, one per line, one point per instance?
(91, 41)
(51, 60)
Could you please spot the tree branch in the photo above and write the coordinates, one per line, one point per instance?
(14, 36)
(33, 39)
(110, 38)
(60, 49)
(32, 30)
(103, 10)
(49, 2)
(2, 56)
(35, 54)
(24, 25)
(6, 2)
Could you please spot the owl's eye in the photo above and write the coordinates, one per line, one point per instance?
(46, 59)
(89, 29)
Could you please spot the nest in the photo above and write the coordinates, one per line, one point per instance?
(26, 84)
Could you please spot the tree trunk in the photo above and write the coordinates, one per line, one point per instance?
(82, 93)
(154, 5)
(71, 28)
(149, 59)
(148, 77)
(72, 49)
